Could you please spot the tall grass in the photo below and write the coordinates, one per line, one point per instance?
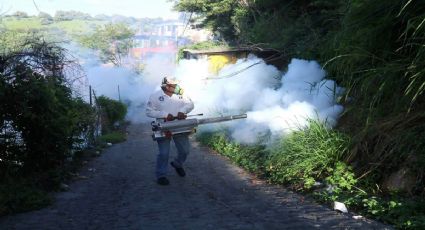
(316, 153)
(376, 51)
(306, 155)
(378, 54)
(22, 23)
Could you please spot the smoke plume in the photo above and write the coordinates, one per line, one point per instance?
(276, 103)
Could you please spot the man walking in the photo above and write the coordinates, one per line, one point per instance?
(169, 104)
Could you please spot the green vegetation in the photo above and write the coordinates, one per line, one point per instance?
(311, 161)
(381, 65)
(72, 28)
(44, 128)
(306, 155)
(120, 35)
(207, 45)
(293, 27)
(113, 113)
(70, 15)
(299, 159)
(375, 50)
(251, 158)
(216, 14)
(77, 27)
(41, 122)
(40, 117)
(22, 24)
(113, 137)
(18, 196)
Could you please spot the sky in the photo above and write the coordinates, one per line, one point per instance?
(134, 8)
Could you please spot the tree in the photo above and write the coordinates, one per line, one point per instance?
(114, 111)
(215, 15)
(113, 41)
(71, 15)
(40, 120)
(293, 27)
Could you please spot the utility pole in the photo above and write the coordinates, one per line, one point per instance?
(119, 95)
(91, 103)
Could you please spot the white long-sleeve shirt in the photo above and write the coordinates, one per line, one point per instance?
(160, 104)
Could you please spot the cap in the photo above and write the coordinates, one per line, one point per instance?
(169, 81)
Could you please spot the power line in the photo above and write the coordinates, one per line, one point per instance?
(33, 1)
(272, 58)
(184, 30)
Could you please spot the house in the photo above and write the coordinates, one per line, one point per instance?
(164, 39)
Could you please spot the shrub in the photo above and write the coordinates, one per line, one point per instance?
(21, 196)
(39, 118)
(378, 55)
(249, 157)
(115, 111)
(304, 156)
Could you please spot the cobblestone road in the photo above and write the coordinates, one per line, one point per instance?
(121, 193)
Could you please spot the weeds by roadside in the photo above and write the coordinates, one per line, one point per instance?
(311, 161)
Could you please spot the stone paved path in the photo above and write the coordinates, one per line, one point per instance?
(121, 193)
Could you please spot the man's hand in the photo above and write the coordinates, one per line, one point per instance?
(169, 117)
(181, 116)
(168, 134)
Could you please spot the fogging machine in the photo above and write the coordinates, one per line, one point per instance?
(160, 128)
